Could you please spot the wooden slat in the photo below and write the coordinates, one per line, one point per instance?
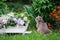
(14, 30)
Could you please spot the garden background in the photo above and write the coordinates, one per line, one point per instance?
(48, 9)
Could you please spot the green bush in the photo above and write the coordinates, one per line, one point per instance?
(39, 7)
(3, 8)
(42, 8)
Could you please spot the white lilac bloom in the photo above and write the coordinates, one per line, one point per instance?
(15, 20)
(3, 20)
(5, 16)
(20, 21)
(11, 14)
(25, 19)
(22, 15)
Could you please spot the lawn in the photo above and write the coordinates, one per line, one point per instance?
(33, 36)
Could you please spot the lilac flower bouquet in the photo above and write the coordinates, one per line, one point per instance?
(11, 20)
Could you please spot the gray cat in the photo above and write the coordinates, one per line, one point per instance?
(41, 25)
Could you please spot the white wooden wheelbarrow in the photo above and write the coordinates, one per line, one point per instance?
(16, 29)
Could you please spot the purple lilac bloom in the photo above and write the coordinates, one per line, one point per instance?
(20, 21)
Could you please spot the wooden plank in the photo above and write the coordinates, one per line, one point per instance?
(19, 32)
(28, 32)
(2, 30)
(14, 30)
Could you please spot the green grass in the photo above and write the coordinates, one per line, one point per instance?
(33, 36)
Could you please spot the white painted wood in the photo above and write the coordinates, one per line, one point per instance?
(2, 31)
(16, 29)
(28, 31)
